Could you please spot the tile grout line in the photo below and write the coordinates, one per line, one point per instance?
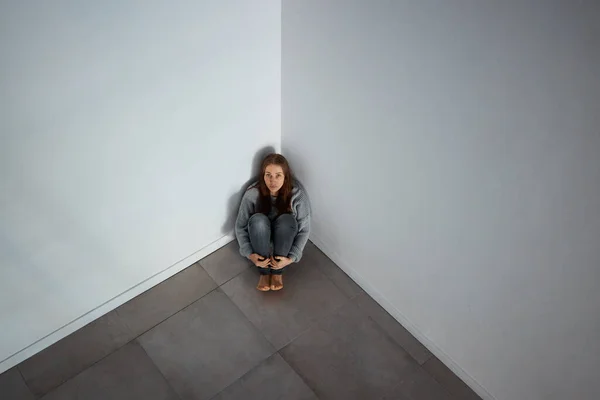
(277, 351)
(246, 317)
(116, 349)
(348, 299)
(82, 371)
(315, 323)
(365, 315)
(217, 287)
(331, 279)
(312, 389)
(25, 382)
(158, 369)
(394, 341)
(108, 301)
(389, 335)
(242, 377)
(135, 339)
(230, 279)
(175, 313)
(363, 312)
(451, 396)
(443, 386)
(311, 325)
(137, 336)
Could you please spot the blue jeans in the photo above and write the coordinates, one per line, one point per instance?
(282, 230)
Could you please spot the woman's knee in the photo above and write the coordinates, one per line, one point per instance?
(259, 223)
(286, 221)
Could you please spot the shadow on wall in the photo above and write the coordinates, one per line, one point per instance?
(233, 204)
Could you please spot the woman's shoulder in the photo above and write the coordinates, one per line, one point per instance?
(298, 188)
(299, 194)
(251, 192)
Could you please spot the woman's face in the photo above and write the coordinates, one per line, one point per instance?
(274, 177)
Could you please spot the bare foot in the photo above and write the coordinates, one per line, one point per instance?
(264, 283)
(276, 282)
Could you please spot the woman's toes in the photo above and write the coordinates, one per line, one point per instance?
(276, 282)
(264, 283)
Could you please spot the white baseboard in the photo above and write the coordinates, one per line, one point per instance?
(405, 322)
(113, 303)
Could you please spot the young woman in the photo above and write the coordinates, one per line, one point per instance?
(273, 222)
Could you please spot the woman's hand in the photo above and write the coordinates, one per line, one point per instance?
(259, 261)
(282, 263)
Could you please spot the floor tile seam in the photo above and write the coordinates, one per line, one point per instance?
(394, 341)
(174, 313)
(236, 275)
(335, 284)
(276, 348)
(451, 396)
(251, 323)
(158, 369)
(352, 298)
(412, 367)
(242, 377)
(92, 310)
(111, 352)
(300, 375)
(315, 323)
(25, 382)
(83, 370)
(218, 288)
(273, 347)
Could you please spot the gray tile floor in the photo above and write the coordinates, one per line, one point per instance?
(207, 333)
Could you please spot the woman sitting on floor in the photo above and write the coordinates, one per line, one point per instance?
(275, 210)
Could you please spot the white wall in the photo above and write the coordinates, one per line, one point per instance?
(126, 127)
(451, 152)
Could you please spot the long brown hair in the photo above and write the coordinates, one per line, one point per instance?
(284, 197)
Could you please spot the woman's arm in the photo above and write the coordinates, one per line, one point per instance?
(241, 224)
(303, 219)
